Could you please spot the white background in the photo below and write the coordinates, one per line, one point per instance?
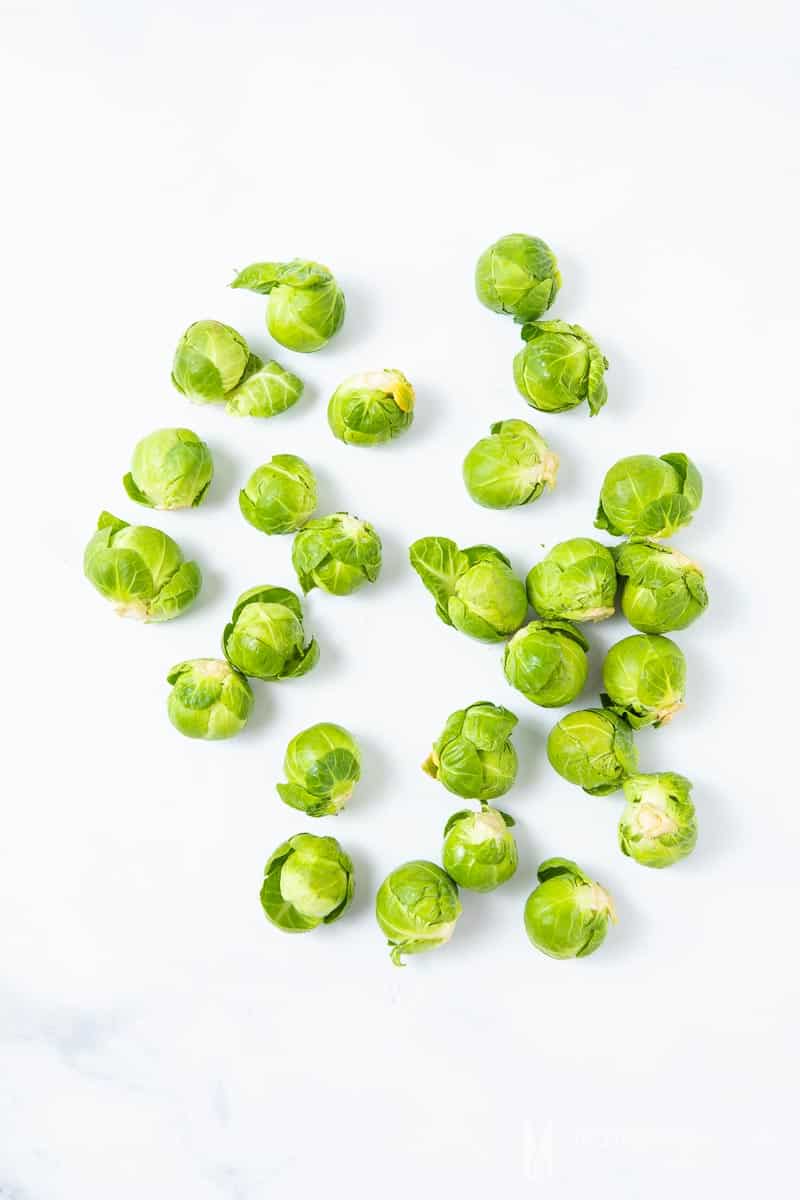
(159, 1037)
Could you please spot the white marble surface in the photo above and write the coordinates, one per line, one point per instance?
(160, 1039)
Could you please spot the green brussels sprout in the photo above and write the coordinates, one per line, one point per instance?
(280, 495)
(305, 306)
(559, 367)
(417, 907)
(171, 468)
(140, 569)
(547, 661)
(518, 275)
(593, 748)
(208, 699)
(322, 765)
(513, 466)
(567, 915)
(658, 825)
(265, 389)
(372, 407)
(576, 581)
(479, 850)
(663, 589)
(645, 679)
(338, 553)
(308, 881)
(645, 496)
(209, 362)
(265, 637)
(474, 757)
(475, 590)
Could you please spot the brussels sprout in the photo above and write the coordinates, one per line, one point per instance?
(208, 699)
(308, 881)
(645, 679)
(140, 569)
(305, 306)
(511, 467)
(518, 275)
(645, 496)
(209, 362)
(663, 589)
(658, 825)
(567, 915)
(338, 553)
(372, 407)
(479, 850)
(475, 589)
(280, 495)
(593, 748)
(474, 757)
(576, 581)
(265, 637)
(171, 468)
(417, 907)
(559, 367)
(547, 661)
(264, 390)
(322, 765)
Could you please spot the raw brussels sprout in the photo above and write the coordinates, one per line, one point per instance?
(593, 748)
(663, 590)
(264, 390)
(208, 699)
(567, 915)
(645, 679)
(645, 496)
(547, 661)
(322, 765)
(209, 362)
(576, 581)
(658, 825)
(518, 275)
(280, 495)
(308, 881)
(305, 306)
(559, 367)
(372, 407)
(171, 468)
(479, 850)
(265, 637)
(475, 589)
(140, 569)
(417, 907)
(513, 466)
(338, 553)
(474, 757)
